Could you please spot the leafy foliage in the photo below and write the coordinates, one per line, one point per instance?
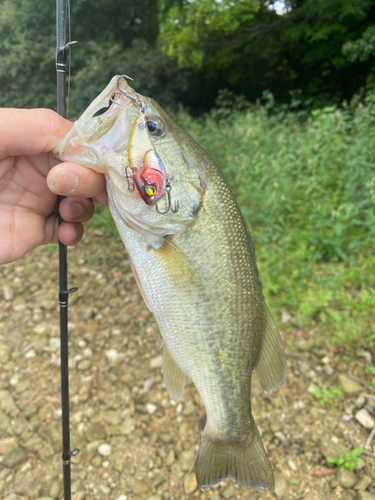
(299, 49)
(186, 28)
(348, 460)
(326, 395)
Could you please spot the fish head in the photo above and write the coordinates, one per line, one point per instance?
(144, 155)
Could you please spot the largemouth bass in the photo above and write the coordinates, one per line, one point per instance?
(193, 258)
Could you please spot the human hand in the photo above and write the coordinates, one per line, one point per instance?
(31, 179)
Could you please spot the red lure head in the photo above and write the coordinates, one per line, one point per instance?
(151, 179)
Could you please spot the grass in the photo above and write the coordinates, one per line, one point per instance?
(326, 395)
(349, 460)
(306, 187)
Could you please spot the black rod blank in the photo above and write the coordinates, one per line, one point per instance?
(61, 63)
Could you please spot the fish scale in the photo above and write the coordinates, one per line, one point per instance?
(197, 272)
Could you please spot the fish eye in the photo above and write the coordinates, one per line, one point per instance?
(155, 125)
(150, 190)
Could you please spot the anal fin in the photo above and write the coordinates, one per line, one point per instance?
(271, 366)
(174, 378)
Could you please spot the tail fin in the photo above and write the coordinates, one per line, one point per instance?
(245, 461)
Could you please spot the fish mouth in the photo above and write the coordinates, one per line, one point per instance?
(102, 130)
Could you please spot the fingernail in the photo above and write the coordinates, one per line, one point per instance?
(63, 182)
(76, 210)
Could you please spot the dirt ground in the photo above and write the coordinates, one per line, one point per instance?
(134, 442)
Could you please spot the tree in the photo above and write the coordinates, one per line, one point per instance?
(259, 48)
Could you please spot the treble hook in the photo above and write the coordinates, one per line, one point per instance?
(130, 177)
(169, 207)
(140, 103)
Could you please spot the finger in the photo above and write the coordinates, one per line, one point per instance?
(102, 197)
(30, 131)
(76, 209)
(70, 178)
(70, 233)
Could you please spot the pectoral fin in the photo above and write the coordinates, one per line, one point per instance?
(178, 267)
(271, 366)
(174, 377)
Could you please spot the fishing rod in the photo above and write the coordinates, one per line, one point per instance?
(62, 6)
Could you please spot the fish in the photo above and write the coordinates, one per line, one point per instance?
(193, 258)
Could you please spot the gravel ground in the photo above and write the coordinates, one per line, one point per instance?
(135, 443)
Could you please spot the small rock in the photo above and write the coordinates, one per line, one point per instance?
(105, 449)
(95, 432)
(4, 354)
(112, 417)
(30, 354)
(80, 495)
(13, 496)
(229, 492)
(55, 490)
(186, 460)
(4, 423)
(312, 496)
(141, 492)
(8, 293)
(23, 386)
(6, 445)
(124, 497)
(285, 317)
(15, 457)
(33, 490)
(330, 449)
(190, 483)
(156, 362)
(19, 426)
(42, 329)
(365, 495)
(52, 434)
(292, 465)
(346, 478)
(170, 458)
(128, 426)
(54, 343)
(84, 365)
(363, 483)
(351, 387)
(328, 370)
(112, 355)
(360, 402)
(281, 485)
(19, 304)
(151, 408)
(307, 345)
(152, 497)
(364, 418)
(7, 404)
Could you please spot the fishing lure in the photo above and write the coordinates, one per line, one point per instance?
(149, 174)
(147, 170)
